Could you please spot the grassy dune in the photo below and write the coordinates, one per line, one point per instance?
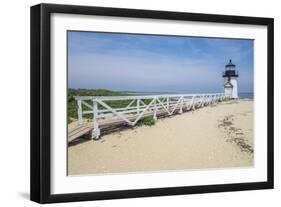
(72, 104)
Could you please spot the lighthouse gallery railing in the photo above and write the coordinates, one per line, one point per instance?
(138, 107)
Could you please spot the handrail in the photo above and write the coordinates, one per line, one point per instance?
(108, 98)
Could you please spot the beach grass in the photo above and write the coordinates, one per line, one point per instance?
(148, 121)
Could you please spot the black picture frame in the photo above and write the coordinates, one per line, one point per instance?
(41, 102)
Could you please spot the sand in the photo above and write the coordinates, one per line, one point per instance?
(217, 136)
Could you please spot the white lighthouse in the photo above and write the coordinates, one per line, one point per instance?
(230, 76)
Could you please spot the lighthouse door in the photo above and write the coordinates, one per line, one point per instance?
(228, 88)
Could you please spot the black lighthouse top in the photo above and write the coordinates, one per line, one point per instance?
(230, 70)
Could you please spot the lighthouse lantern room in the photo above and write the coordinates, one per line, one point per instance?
(230, 76)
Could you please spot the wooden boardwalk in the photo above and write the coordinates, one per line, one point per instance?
(77, 130)
(139, 107)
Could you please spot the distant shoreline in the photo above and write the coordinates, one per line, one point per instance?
(242, 95)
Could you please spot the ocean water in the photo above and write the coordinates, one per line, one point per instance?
(246, 95)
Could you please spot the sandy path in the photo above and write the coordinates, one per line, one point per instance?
(213, 137)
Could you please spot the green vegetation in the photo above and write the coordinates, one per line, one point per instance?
(148, 121)
(93, 92)
(72, 104)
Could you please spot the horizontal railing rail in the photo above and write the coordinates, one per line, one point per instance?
(131, 109)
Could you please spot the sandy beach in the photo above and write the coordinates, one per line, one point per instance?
(217, 136)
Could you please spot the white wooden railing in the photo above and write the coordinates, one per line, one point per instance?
(139, 107)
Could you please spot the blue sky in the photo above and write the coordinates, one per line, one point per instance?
(153, 63)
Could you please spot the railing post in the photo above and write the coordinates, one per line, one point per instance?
(203, 100)
(181, 104)
(80, 112)
(96, 130)
(155, 109)
(209, 99)
(193, 102)
(138, 106)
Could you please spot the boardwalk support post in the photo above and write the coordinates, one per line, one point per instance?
(155, 109)
(80, 113)
(193, 102)
(96, 130)
(201, 102)
(138, 106)
(181, 104)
